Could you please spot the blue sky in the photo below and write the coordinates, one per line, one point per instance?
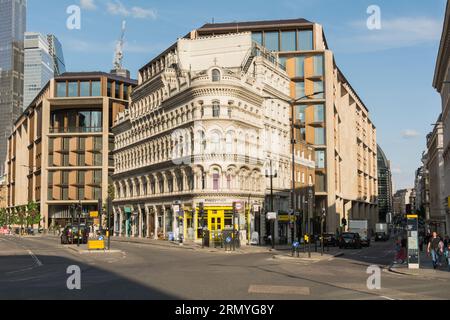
(391, 69)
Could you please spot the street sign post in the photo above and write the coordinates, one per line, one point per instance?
(271, 216)
(413, 242)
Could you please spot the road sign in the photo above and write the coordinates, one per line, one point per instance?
(93, 214)
(296, 244)
(271, 216)
(238, 206)
(228, 239)
(413, 242)
(100, 238)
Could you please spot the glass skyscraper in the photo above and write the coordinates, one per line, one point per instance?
(56, 51)
(44, 59)
(39, 68)
(12, 29)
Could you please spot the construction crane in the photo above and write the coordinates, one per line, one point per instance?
(118, 56)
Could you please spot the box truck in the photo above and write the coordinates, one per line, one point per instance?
(361, 227)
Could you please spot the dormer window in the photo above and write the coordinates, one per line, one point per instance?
(215, 74)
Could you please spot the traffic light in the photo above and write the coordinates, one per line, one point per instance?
(344, 222)
(201, 211)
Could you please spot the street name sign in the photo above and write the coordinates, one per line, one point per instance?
(271, 216)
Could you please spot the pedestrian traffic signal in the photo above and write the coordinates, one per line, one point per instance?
(344, 222)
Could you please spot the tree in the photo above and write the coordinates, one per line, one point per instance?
(33, 214)
(21, 214)
(3, 217)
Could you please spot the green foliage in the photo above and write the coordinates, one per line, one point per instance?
(3, 217)
(33, 214)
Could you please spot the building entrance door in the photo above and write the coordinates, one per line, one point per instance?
(216, 220)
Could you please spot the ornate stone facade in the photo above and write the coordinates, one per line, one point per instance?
(206, 119)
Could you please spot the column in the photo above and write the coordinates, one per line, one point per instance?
(147, 216)
(141, 221)
(155, 216)
(120, 222)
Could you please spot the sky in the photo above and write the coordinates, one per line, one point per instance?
(391, 68)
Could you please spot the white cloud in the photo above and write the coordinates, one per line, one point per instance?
(118, 8)
(395, 33)
(142, 13)
(410, 134)
(88, 4)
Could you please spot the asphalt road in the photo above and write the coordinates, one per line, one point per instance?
(36, 268)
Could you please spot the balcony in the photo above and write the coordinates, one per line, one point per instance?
(76, 130)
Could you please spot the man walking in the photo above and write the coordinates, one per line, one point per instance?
(433, 249)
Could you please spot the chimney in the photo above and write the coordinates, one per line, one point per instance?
(194, 34)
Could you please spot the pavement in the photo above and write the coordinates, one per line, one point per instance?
(39, 268)
(425, 271)
(280, 251)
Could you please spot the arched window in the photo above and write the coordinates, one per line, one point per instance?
(229, 142)
(229, 180)
(215, 142)
(216, 180)
(201, 142)
(215, 75)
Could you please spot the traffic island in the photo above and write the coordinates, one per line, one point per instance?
(303, 257)
(93, 246)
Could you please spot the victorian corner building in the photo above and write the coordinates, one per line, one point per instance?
(210, 122)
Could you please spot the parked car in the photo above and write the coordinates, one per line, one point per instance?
(350, 240)
(70, 234)
(330, 239)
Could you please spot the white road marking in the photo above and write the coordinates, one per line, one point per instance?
(281, 290)
(387, 298)
(36, 260)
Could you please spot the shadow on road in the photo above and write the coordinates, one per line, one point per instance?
(20, 278)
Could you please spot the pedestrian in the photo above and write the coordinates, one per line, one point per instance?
(433, 249)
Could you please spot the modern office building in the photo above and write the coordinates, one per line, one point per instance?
(441, 83)
(12, 29)
(39, 67)
(44, 59)
(60, 151)
(435, 166)
(56, 51)
(384, 185)
(335, 122)
(207, 128)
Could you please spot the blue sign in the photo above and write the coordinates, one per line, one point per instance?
(296, 244)
(100, 238)
(228, 239)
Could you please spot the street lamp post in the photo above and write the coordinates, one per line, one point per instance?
(292, 103)
(79, 225)
(308, 221)
(322, 220)
(272, 222)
